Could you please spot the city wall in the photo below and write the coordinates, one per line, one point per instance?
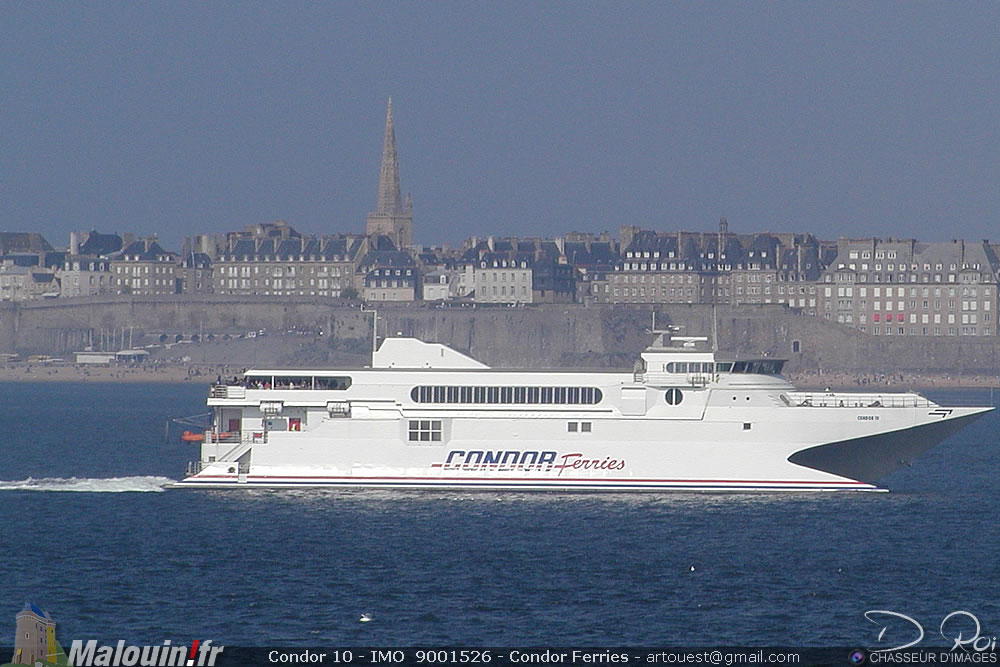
(562, 335)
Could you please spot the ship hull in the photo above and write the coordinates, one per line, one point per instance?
(768, 459)
(873, 457)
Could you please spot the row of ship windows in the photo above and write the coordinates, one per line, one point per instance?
(508, 395)
(427, 430)
(757, 367)
(424, 430)
(307, 382)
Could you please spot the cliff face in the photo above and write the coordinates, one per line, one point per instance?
(540, 336)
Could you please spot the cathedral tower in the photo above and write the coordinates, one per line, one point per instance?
(391, 217)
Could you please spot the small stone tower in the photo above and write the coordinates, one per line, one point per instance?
(36, 636)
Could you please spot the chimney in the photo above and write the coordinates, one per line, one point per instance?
(74, 244)
(203, 243)
(723, 226)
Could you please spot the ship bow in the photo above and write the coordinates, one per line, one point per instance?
(871, 458)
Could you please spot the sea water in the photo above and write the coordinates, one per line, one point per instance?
(89, 534)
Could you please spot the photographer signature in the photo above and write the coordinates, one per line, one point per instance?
(952, 622)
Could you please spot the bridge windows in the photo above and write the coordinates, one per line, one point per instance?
(753, 366)
(690, 367)
(759, 366)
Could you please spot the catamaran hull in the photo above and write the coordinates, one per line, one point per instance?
(854, 463)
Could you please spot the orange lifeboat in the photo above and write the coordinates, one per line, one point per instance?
(188, 436)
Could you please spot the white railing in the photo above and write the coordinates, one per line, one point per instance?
(222, 391)
(832, 399)
(236, 452)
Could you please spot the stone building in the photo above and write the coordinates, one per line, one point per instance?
(195, 273)
(437, 285)
(144, 268)
(391, 216)
(86, 269)
(777, 268)
(22, 283)
(440, 274)
(82, 275)
(900, 287)
(592, 259)
(517, 271)
(712, 267)
(498, 271)
(658, 268)
(289, 266)
(388, 274)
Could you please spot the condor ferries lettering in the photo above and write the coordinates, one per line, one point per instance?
(516, 460)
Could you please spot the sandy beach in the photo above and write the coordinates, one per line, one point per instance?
(39, 372)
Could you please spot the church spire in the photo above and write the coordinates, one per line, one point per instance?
(391, 217)
(390, 201)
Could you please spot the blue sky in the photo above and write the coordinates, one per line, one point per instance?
(511, 118)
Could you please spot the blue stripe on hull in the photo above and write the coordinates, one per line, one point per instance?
(192, 483)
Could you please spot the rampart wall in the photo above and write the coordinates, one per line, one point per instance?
(543, 335)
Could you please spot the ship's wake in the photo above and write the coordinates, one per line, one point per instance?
(89, 484)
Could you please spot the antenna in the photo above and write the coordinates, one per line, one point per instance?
(374, 328)
(715, 328)
(662, 335)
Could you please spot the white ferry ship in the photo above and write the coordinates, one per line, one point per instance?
(427, 416)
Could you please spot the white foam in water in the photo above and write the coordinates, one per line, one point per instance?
(89, 484)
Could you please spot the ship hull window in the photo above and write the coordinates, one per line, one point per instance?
(673, 396)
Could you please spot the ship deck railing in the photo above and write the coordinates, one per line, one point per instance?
(237, 437)
(830, 399)
(227, 391)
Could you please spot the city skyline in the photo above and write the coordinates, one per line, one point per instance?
(528, 120)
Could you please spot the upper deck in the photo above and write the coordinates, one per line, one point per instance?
(407, 366)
